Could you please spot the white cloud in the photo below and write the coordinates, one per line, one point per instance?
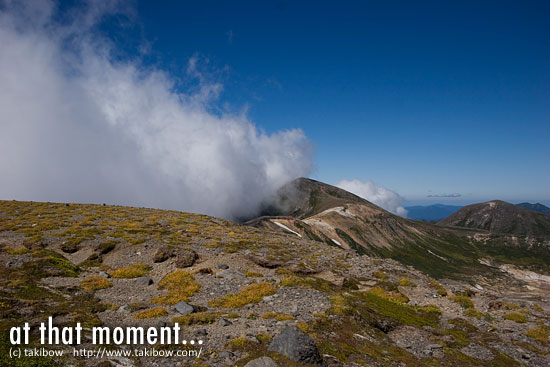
(384, 198)
(78, 125)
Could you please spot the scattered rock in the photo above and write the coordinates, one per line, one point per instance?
(261, 362)
(186, 259)
(478, 352)
(144, 281)
(230, 274)
(265, 263)
(225, 322)
(296, 345)
(163, 254)
(183, 308)
(201, 332)
(384, 325)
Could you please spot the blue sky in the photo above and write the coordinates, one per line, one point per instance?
(420, 97)
(200, 106)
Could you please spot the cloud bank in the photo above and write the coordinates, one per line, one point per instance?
(80, 124)
(384, 198)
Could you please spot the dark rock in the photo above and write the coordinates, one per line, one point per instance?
(144, 281)
(161, 324)
(104, 364)
(225, 322)
(265, 262)
(296, 345)
(184, 308)
(261, 362)
(223, 266)
(163, 254)
(384, 325)
(186, 259)
(69, 247)
(201, 332)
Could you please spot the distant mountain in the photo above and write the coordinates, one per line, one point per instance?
(538, 207)
(434, 212)
(500, 217)
(321, 212)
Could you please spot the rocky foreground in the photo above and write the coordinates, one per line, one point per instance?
(252, 296)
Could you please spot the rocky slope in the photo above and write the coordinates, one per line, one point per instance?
(321, 212)
(538, 207)
(254, 297)
(500, 217)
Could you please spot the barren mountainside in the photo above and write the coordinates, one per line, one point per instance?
(500, 217)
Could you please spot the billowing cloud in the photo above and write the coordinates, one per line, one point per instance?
(79, 123)
(384, 198)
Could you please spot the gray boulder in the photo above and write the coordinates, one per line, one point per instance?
(183, 308)
(296, 345)
(186, 258)
(144, 281)
(261, 362)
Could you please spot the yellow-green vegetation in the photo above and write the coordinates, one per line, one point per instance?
(251, 274)
(95, 282)
(131, 271)
(277, 316)
(438, 287)
(306, 282)
(238, 343)
(365, 303)
(180, 286)
(20, 250)
(404, 282)
(303, 326)
(537, 308)
(540, 333)
(510, 306)
(463, 301)
(380, 275)
(392, 296)
(472, 312)
(152, 312)
(200, 318)
(252, 293)
(516, 317)
(107, 246)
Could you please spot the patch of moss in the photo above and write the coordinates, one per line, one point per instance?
(131, 271)
(438, 287)
(463, 301)
(251, 274)
(392, 296)
(291, 280)
(252, 293)
(404, 282)
(380, 275)
(277, 316)
(93, 283)
(107, 246)
(516, 317)
(540, 334)
(180, 286)
(20, 250)
(151, 313)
